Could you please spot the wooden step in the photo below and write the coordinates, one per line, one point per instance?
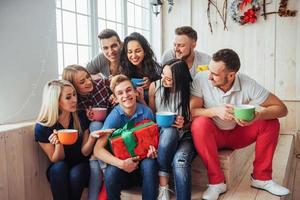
(231, 162)
(281, 167)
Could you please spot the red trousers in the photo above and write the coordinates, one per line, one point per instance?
(208, 138)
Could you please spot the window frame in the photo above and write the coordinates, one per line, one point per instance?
(94, 29)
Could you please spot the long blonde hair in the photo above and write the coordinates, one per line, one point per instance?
(70, 71)
(49, 112)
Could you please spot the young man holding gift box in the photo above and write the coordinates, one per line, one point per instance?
(122, 174)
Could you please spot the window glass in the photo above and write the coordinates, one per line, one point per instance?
(68, 5)
(102, 9)
(70, 54)
(69, 27)
(83, 31)
(78, 24)
(60, 58)
(83, 51)
(82, 6)
(58, 25)
(130, 14)
(111, 8)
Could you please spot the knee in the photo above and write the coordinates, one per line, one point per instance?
(199, 127)
(58, 169)
(272, 127)
(182, 160)
(274, 124)
(149, 166)
(80, 173)
(111, 175)
(168, 136)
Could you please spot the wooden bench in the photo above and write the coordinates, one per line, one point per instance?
(231, 162)
(23, 166)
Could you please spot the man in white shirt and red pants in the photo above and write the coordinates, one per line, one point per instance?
(214, 94)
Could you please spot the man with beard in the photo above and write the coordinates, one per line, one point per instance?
(107, 63)
(185, 42)
(214, 94)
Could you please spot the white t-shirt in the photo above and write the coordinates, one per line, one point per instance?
(244, 90)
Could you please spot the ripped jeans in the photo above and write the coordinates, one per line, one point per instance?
(178, 152)
(182, 164)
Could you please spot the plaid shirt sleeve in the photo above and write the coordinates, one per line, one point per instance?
(101, 93)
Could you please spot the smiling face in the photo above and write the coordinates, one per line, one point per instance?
(125, 95)
(68, 99)
(183, 46)
(135, 52)
(167, 79)
(111, 48)
(83, 82)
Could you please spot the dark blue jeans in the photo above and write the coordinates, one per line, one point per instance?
(182, 164)
(146, 175)
(67, 183)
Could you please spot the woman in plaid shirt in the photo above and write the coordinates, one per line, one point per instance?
(91, 93)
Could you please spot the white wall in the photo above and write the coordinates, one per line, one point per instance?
(269, 49)
(28, 56)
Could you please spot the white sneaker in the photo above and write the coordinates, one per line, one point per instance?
(270, 186)
(213, 191)
(163, 193)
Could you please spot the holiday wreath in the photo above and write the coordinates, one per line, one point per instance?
(244, 11)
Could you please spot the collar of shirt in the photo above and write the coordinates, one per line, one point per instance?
(138, 112)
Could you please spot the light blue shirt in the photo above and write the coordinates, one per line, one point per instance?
(117, 118)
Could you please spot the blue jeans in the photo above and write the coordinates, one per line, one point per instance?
(95, 126)
(182, 164)
(97, 168)
(67, 182)
(146, 175)
(168, 141)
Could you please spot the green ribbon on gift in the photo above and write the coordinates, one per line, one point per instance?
(127, 135)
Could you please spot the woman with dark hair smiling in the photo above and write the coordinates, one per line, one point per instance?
(138, 60)
(172, 94)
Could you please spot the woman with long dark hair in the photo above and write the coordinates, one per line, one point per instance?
(138, 60)
(172, 94)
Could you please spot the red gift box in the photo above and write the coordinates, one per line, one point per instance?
(134, 139)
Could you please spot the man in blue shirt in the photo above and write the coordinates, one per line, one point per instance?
(122, 174)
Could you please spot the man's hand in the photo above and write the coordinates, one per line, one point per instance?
(100, 133)
(247, 123)
(224, 112)
(152, 152)
(130, 164)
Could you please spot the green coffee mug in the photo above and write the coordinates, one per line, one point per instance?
(244, 112)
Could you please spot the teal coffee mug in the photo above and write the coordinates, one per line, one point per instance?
(165, 119)
(137, 82)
